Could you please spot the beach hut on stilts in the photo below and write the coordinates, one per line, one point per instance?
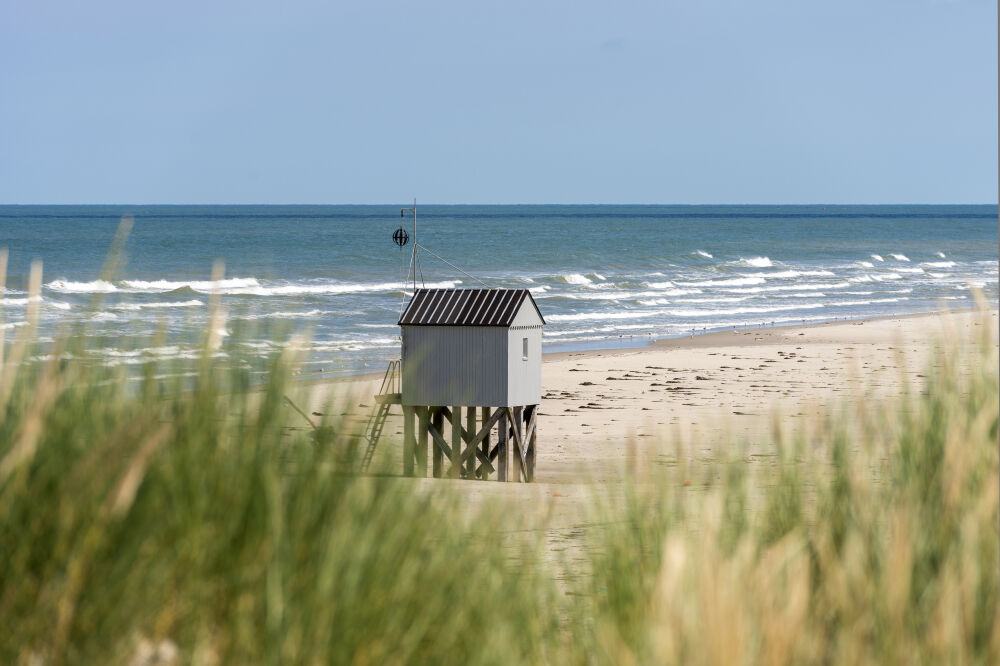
(469, 383)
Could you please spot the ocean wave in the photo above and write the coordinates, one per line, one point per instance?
(233, 287)
(723, 283)
(864, 264)
(92, 287)
(939, 264)
(307, 314)
(750, 310)
(940, 254)
(887, 276)
(20, 301)
(104, 316)
(910, 270)
(899, 257)
(790, 274)
(167, 304)
(719, 299)
(574, 278)
(621, 295)
(196, 285)
(809, 286)
(584, 316)
(877, 257)
(595, 276)
(756, 262)
(703, 254)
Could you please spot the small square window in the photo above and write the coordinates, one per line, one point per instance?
(524, 349)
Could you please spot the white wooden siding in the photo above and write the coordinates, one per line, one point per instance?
(455, 365)
(474, 365)
(524, 377)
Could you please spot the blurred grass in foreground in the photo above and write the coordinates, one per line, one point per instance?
(183, 524)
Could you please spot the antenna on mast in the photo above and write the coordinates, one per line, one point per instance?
(413, 256)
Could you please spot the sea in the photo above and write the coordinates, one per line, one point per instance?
(329, 282)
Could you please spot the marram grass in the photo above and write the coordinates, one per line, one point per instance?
(154, 522)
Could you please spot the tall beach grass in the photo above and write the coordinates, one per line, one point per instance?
(167, 522)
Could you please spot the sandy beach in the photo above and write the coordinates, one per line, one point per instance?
(706, 391)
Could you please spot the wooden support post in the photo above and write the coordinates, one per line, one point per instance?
(531, 438)
(502, 447)
(518, 446)
(470, 428)
(438, 456)
(485, 411)
(409, 442)
(456, 441)
(421, 447)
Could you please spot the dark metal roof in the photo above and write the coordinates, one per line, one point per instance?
(465, 307)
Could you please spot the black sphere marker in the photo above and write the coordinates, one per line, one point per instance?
(400, 237)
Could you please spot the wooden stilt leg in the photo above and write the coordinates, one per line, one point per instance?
(456, 441)
(502, 448)
(531, 433)
(486, 440)
(438, 456)
(517, 426)
(409, 442)
(470, 428)
(422, 435)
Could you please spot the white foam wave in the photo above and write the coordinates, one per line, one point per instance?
(790, 274)
(865, 264)
(789, 287)
(104, 316)
(584, 316)
(899, 257)
(596, 276)
(751, 310)
(19, 301)
(197, 285)
(756, 262)
(723, 283)
(910, 270)
(704, 254)
(877, 257)
(939, 264)
(166, 304)
(940, 254)
(307, 314)
(92, 287)
(574, 278)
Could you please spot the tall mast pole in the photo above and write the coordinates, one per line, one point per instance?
(414, 259)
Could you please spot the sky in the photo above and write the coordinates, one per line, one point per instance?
(373, 101)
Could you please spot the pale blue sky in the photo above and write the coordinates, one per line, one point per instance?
(713, 101)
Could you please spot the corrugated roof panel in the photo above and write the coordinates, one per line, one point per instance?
(464, 307)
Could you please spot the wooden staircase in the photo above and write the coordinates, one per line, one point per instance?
(389, 394)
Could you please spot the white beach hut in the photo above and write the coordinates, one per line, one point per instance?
(477, 352)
